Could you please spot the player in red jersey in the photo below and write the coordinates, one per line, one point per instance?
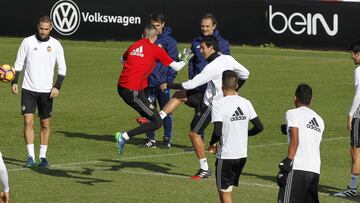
(139, 61)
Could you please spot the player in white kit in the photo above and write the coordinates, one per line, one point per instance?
(230, 116)
(353, 125)
(299, 174)
(38, 54)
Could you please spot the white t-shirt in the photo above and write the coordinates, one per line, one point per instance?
(212, 75)
(311, 127)
(234, 112)
(39, 59)
(355, 107)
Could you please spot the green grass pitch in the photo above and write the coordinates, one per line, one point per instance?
(85, 166)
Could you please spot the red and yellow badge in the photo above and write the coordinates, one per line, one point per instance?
(49, 49)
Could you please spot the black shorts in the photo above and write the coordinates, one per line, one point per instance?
(31, 100)
(139, 101)
(301, 186)
(194, 97)
(228, 172)
(355, 133)
(202, 116)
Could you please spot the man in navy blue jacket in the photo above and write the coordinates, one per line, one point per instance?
(160, 75)
(208, 27)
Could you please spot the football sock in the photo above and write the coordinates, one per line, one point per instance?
(125, 136)
(31, 151)
(162, 114)
(204, 164)
(43, 149)
(353, 183)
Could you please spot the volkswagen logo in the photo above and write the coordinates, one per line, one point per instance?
(65, 15)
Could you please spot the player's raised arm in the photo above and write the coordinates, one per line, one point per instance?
(184, 59)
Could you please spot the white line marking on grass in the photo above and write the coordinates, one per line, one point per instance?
(156, 156)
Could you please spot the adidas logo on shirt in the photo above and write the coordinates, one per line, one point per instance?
(137, 52)
(313, 125)
(238, 115)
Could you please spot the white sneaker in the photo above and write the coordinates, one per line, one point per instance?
(350, 192)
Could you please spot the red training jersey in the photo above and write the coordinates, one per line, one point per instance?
(139, 61)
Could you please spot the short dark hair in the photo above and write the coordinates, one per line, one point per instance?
(304, 93)
(158, 17)
(44, 19)
(229, 80)
(210, 41)
(355, 47)
(211, 17)
(149, 31)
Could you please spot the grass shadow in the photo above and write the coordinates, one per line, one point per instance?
(110, 138)
(55, 171)
(159, 168)
(77, 175)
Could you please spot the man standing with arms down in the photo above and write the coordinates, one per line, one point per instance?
(231, 116)
(139, 61)
(299, 174)
(353, 125)
(39, 53)
(202, 102)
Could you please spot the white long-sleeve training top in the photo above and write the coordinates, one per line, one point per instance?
(212, 75)
(4, 179)
(39, 59)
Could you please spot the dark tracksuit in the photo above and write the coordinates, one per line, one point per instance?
(162, 74)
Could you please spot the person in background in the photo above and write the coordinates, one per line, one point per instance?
(160, 75)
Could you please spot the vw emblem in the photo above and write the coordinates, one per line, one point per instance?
(65, 15)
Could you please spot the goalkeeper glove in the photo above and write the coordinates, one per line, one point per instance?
(186, 55)
(281, 178)
(286, 164)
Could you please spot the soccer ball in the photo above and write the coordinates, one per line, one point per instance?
(7, 73)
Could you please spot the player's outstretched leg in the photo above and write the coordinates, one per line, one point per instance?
(176, 100)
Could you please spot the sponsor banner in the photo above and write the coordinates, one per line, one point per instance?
(305, 24)
(312, 24)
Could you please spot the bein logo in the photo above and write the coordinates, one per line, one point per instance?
(298, 23)
(66, 17)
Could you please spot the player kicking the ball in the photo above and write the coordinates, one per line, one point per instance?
(231, 116)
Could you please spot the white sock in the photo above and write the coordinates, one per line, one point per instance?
(43, 149)
(31, 150)
(162, 114)
(353, 183)
(125, 136)
(204, 164)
